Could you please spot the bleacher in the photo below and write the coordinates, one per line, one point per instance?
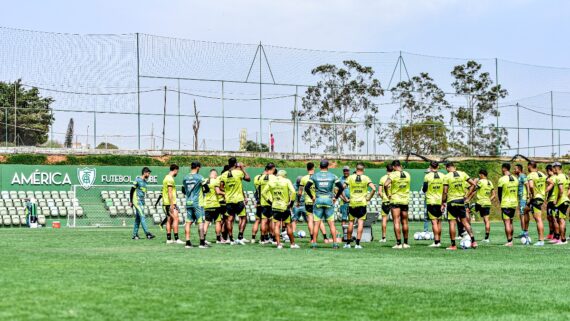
(50, 205)
(117, 205)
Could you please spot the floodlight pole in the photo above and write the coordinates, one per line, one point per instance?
(138, 94)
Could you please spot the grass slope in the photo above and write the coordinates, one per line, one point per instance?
(100, 274)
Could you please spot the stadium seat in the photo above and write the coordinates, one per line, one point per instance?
(15, 220)
(156, 219)
(23, 220)
(6, 220)
(113, 211)
(41, 220)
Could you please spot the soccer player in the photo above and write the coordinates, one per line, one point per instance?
(192, 189)
(223, 210)
(485, 193)
(537, 185)
(301, 194)
(358, 183)
(523, 196)
(264, 208)
(397, 187)
(508, 187)
(433, 190)
(562, 202)
(343, 208)
(453, 199)
(233, 188)
(280, 193)
(385, 208)
(554, 232)
(258, 209)
(299, 208)
(324, 200)
(212, 209)
(137, 195)
(169, 205)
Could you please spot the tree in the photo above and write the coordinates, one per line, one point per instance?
(106, 145)
(251, 146)
(33, 115)
(424, 138)
(477, 133)
(69, 134)
(342, 95)
(196, 126)
(418, 125)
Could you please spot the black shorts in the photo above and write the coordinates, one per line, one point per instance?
(282, 216)
(434, 210)
(223, 209)
(536, 204)
(551, 209)
(357, 212)
(402, 207)
(235, 208)
(508, 212)
(266, 212)
(212, 214)
(166, 209)
(386, 207)
(483, 210)
(563, 208)
(457, 209)
(258, 211)
(309, 208)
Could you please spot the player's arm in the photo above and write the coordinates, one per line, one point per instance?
(131, 194)
(246, 176)
(444, 196)
(425, 187)
(387, 185)
(471, 186)
(308, 190)
(340, 189)
(471, 193)
(219, 191)
(171, 192)
(500, 192)
(530, 188)
(526, 186)
(560, 193)
(372, 191)
(493, 195)
(291, 195)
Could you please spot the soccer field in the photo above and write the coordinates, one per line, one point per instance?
(101, 274)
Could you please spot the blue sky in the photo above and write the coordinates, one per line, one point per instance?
(531, 32)
(520, 30)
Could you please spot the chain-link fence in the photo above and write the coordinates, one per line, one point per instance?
(139, 91)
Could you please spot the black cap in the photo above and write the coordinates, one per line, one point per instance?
(146, 170)
(324, 163)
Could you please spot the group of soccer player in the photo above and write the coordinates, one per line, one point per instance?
(220, 198)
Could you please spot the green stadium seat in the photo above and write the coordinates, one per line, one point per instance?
(41, 219)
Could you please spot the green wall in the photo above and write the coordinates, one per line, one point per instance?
(63, 177)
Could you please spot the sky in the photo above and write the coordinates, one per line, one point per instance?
(525, 31)
(519, 30)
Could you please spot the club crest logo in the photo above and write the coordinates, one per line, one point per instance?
(86, 177)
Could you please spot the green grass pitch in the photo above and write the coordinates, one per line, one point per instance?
(101, 274)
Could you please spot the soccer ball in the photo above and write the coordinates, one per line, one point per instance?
(525, 240)
(428, 236)
(465, 243)
(301, 234)
(418, 236)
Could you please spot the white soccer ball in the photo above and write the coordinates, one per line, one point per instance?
(418, 236)
(465, 243)
(301, 234)
(428, 236)
(525, 240)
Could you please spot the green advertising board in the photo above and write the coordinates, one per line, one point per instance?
(64, 177)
